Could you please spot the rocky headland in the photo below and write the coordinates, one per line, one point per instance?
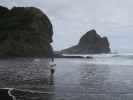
(24, 31)
(89, 43)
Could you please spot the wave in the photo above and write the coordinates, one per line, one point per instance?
(125, 55)
(112, 59)
(103, 55)
(21, 94)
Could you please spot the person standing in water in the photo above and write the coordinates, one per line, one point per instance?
(52, 65)
(52, 68)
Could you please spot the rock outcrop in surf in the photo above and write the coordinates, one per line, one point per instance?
(89, 43)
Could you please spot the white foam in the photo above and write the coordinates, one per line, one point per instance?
(9, 93)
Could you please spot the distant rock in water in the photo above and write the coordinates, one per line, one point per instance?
(89, 43)
(24, 31)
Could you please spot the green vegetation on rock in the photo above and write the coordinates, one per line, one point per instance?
(24, 32)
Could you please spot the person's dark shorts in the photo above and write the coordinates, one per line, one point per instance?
(52, 71)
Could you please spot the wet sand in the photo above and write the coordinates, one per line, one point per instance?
(74, 79)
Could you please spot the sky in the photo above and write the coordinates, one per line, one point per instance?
(73, 18)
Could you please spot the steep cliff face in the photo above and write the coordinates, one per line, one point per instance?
(89, 43)
(24, 31)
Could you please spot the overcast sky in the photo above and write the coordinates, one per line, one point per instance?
(72, 18)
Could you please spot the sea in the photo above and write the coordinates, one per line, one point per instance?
(113, 58)
(104, 77)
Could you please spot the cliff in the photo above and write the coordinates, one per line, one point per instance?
(89, 43)
(24, 31)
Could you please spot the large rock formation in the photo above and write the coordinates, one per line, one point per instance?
(89, 43)
(24, 32)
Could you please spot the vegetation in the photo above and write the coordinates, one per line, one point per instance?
(24, 32)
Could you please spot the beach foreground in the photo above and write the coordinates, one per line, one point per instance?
(75, 79)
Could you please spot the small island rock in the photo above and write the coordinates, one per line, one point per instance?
(89, 43)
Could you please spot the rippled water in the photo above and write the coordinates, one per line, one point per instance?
(105, 77)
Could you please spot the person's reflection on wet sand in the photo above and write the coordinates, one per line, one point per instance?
(51, 80)
(52, 72)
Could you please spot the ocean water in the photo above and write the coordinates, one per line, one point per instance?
(105, 77)
(111, 59)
